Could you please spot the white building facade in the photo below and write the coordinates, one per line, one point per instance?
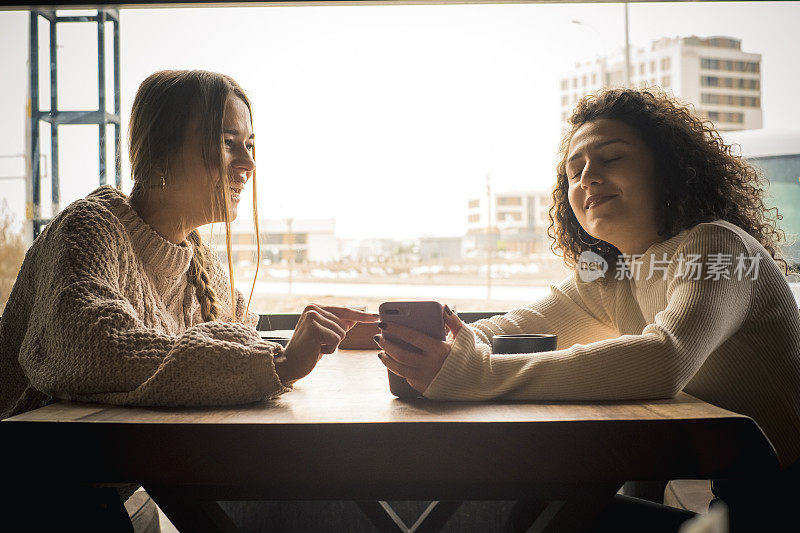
(518, 219)
(722, 82)
(297, 240)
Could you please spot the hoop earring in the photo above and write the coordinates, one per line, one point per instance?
(584, 242)
(163, 182)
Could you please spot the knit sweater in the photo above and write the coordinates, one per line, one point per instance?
(731, 341)
(103, 311)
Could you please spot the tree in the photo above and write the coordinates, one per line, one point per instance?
(12, 252)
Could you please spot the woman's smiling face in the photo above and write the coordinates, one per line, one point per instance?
(612, 185)
(198, 189)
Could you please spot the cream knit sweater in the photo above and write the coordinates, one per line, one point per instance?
(102, 311)
(731, 342)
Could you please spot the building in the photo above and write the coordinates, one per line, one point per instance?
(440, 248)
(516, 220)
(713, 74)
(777, 154)
(298, 240)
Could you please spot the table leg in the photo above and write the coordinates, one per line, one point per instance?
(383, 518)
(190, 514)
(386, 520)
(435, 517)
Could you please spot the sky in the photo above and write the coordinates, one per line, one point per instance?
(385, 118)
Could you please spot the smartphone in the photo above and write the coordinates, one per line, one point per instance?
(425, 317)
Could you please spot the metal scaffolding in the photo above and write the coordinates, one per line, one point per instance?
(57, 117)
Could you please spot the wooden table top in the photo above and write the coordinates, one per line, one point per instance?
(341, 431)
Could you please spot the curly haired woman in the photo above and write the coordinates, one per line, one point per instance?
(695, 297)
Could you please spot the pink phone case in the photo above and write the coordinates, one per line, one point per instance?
(425, 317)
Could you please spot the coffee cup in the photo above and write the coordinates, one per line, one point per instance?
(523, 343)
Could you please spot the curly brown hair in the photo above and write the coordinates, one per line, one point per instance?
(699, 178)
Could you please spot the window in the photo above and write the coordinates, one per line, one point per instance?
(367, 122)
(737, 83)
(512, 216)
(729, 65)
(730, 99)
(733, 118)
(509, 200)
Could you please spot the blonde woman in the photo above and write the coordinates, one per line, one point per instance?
(119, 301)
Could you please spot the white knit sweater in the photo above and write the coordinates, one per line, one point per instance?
(102, 311)
(731, 342)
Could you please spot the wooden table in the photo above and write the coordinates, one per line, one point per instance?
(341, 435)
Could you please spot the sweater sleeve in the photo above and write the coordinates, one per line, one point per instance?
(572, 310)
(89, 342)
(700, 315)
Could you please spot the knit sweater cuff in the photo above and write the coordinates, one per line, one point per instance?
(463, 354)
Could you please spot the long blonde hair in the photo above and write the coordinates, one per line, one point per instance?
(165, 104)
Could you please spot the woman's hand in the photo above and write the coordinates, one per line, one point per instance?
(319, 331)
(419, 366)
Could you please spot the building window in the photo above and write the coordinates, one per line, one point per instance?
(509, 217)
(474, 219)
(641, 68)
(574, 82)
(564, 84)
(736, 83)
(733, 118)
(509, 200)
(474, 204)
(594, 78)
(666, 81)
(729, 65)
(653, 65)
(666, 63)
(730, 99)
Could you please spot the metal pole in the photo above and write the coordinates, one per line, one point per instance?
(117, 108)
(627, 50)
(54, 182)
(33, 210)
(489, 235)
(290, 239)
(101, 90)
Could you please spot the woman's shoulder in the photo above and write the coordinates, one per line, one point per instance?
(91, 220)
(721, 235)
